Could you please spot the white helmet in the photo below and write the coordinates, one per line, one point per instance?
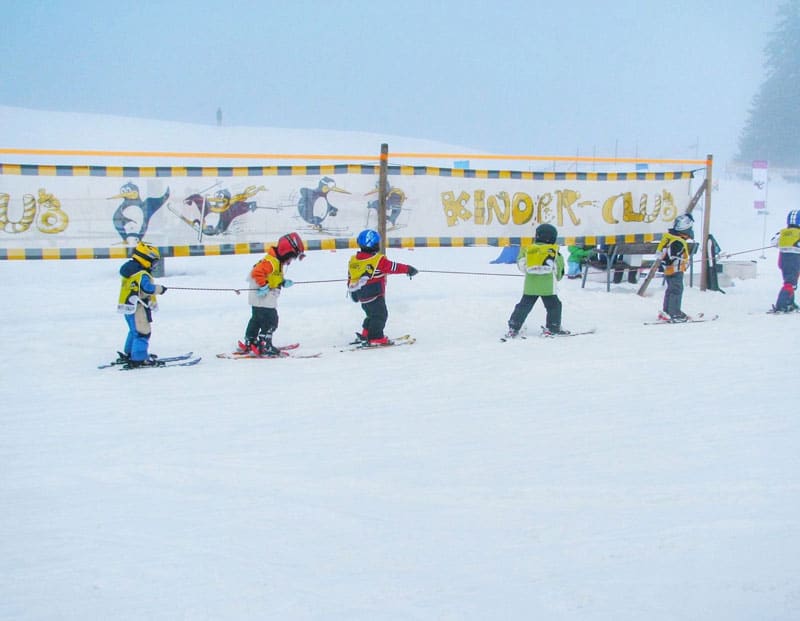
(683, 223)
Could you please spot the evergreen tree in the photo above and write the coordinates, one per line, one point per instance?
(772, 131)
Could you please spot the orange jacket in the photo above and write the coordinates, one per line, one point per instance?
(268, 271)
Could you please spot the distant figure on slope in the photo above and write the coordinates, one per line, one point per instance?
(137, 301)
(266, 281)
(366, 283)
(788, 242)
(543, 266)
(578, 256)
(675, 259)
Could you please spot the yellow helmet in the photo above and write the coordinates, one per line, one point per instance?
(146, 254)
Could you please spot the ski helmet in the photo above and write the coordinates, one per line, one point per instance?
(546, 234)
(146, 255)
(369, 240)
(683, 223)
(793, 219)
(290, 246)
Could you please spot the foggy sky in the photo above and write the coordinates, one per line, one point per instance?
(632, 78)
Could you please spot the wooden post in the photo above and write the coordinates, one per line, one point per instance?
(383, 191)
(706, 225)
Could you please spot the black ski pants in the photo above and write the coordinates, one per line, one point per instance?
(523, 308)
(263, 322)
(376, 316)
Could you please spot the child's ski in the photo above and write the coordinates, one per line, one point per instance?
(545, 333)
(235, 355)
(122, 359)
(698, 318)
(406, 339)
(550, 335)
(164, 364)
(284, 349)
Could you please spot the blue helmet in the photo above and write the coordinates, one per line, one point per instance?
(369, 240)
(793, 219)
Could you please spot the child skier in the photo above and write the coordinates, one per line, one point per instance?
(543, 266)
(788, 242)
(675, 259)
(266, 281)
(137, 301)
(366, 284)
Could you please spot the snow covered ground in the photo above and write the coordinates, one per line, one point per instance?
(643, 472)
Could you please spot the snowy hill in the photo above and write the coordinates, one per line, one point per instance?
(643, 472)
(35, 129)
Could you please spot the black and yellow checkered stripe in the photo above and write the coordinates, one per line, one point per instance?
(208, 250)
(539, 176)
(50, 170)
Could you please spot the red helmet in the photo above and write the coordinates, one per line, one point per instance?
(290, 246)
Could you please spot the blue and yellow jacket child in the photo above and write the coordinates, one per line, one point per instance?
(137, 285)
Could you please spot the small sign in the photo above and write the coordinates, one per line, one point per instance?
(760, 184)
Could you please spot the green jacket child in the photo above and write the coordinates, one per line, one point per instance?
(543, 266)
(578, 255)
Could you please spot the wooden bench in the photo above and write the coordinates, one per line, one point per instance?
(611, 251)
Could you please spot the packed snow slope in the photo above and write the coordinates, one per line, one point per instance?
(643, 472)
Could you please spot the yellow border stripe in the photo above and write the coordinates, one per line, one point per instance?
(122, 252)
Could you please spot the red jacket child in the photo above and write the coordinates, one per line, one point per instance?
(366, 283)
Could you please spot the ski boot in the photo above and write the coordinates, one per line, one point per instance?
(554, 331)
(266, 349)
(362, 338)
(512, 333)
(243, 347)
(138, 364)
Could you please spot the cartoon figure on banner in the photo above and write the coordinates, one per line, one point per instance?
(216, 213)
(135, 212)
(314, 206)
(395, 197)
(51, 218)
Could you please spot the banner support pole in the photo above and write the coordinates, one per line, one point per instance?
(706, 225)
(383, 191)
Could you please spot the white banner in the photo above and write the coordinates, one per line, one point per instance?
(46, 206)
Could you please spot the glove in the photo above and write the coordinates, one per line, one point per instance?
(163, 289)
(262, 291)
(412, 271)
(287, 283)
